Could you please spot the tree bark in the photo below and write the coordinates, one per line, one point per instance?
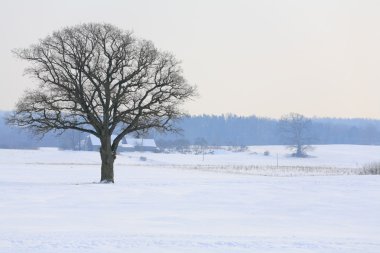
(299, 151)
(108, 157)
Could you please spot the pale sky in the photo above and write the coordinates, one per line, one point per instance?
(267, 57)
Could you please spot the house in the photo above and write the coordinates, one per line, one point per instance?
(138, 144)
(92, 143)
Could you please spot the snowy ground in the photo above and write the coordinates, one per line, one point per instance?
(48, 203)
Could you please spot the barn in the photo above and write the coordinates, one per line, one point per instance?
(92, 143)
(138, 144)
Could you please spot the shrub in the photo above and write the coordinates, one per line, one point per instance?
(371, 169)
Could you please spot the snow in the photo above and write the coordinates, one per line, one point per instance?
(49, 203)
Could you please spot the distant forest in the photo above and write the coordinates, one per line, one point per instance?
(244, 131)
(231, 130)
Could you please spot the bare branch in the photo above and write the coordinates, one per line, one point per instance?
(99, 79)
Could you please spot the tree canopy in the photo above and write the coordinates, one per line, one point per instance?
(99, 79)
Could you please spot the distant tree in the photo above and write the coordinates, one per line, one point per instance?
(100, 80)
(70, 140)
(181, 144)
(162, 143)
(295, 130)
(200, 142)
(201, 145)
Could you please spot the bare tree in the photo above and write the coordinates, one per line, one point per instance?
(201, 145)
(101, 80)
(295, 129)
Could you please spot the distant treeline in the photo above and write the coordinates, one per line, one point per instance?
(214, 130)
(243, 131)
(11, 137)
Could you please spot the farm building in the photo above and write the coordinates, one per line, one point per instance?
(138, 144)
(92, 143)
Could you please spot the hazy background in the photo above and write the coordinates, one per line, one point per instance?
(247, 57)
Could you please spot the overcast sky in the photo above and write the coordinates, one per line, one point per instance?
(316, 57)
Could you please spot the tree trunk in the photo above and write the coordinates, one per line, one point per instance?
(108, 157)
(299, 151)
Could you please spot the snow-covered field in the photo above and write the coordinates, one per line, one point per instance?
(48, 203)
